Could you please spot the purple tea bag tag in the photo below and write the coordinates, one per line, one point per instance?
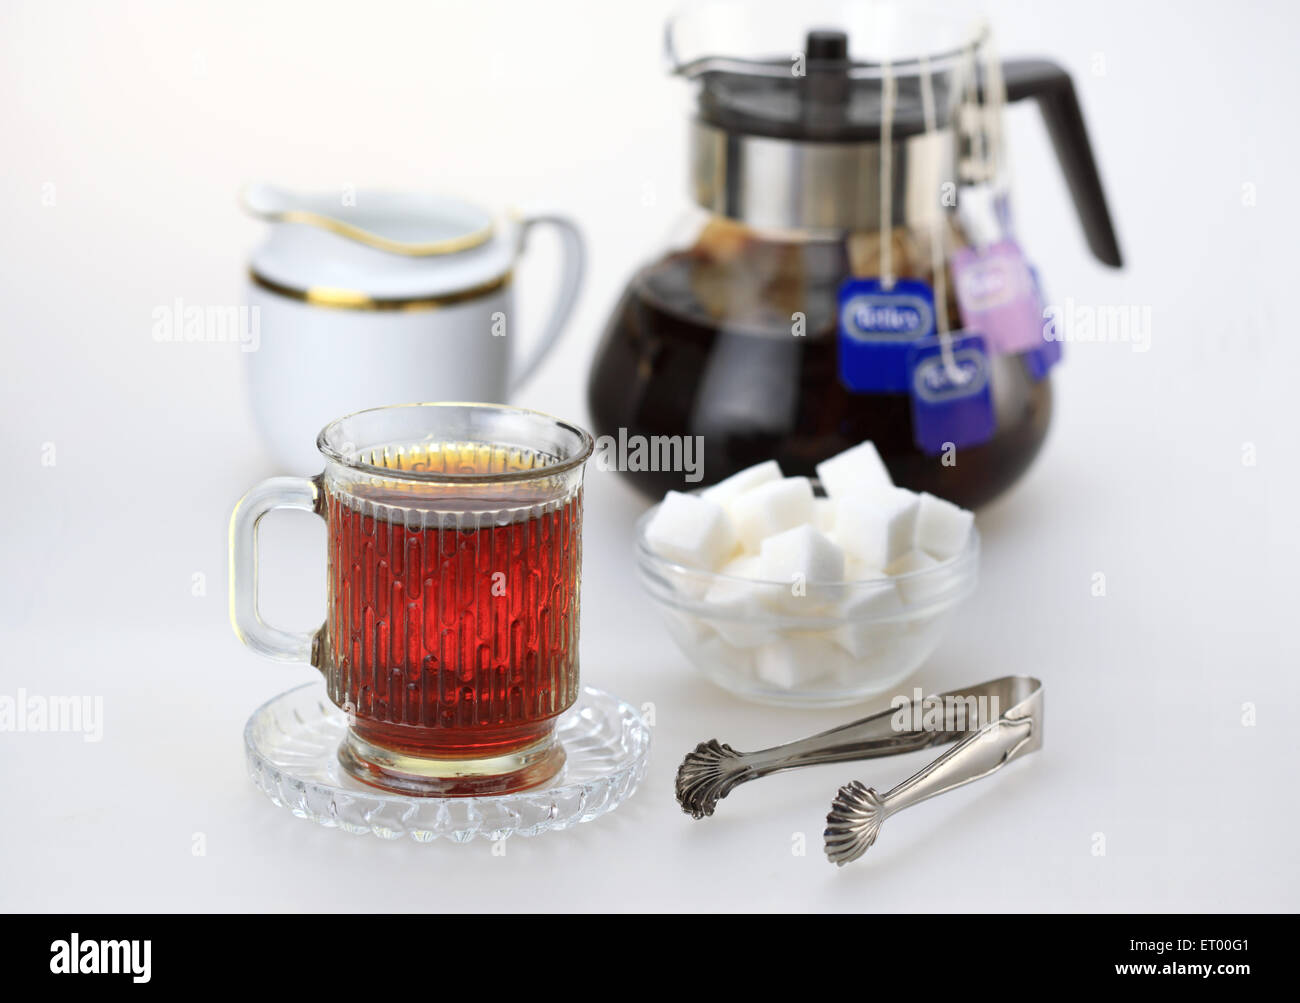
(952, 404)
(1041, 358)
(997, 296)
(877, 328)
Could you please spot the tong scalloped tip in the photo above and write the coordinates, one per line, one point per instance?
(707, 775)
(853, 823)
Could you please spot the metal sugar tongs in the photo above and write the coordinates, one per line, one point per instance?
(992, 724)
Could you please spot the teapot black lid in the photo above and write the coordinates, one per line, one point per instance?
(813, 96)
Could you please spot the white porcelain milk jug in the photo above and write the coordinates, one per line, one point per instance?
(387, 298)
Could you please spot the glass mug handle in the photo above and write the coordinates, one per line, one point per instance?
(273, 493)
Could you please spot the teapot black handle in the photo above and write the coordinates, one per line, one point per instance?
(1052, 88)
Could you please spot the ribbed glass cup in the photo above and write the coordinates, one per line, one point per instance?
(455, 556)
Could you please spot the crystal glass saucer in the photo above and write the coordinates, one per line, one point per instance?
(292, 741)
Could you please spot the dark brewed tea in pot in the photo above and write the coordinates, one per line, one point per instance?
(806, 185)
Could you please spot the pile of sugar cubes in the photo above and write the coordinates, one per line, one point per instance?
(785, 552)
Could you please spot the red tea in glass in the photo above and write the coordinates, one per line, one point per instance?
(455, 641)
(455, 552)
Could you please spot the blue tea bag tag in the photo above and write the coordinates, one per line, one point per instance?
(952, 403)
(877, 328)
(1039, 361)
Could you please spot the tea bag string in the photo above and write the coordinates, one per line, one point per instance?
(937, 242)
(888, 98)
(973, 107)
(995, 98)
(976, 103)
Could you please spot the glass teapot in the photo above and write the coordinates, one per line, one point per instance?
(823, 158)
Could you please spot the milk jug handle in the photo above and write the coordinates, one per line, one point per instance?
(573, 266)
(1050, 85)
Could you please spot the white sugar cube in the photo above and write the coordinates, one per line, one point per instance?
(744, 634)
(942, 528)
(734, 608)
(917, 590)
(718, 658)
(877, 529)
(687, 629)
(856, 570)
(855, 471)
(803, 561)
(874, 599)
(771, 508)
(800, 555)
(858, 639)
(913, 560)
(881, 670)
(863, 611)
(690, 583)
(824, 514)
(726, 491)
(901, 655)
(744, 566)
(796, 661)
(691, 530)
(727, 597)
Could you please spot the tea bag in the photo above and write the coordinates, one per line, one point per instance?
(948, 374)
(867, 251)
(722, 241)
(744, 276)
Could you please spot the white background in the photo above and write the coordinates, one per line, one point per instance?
(147, 117)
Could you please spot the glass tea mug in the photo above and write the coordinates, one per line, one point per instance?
(454, 563)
